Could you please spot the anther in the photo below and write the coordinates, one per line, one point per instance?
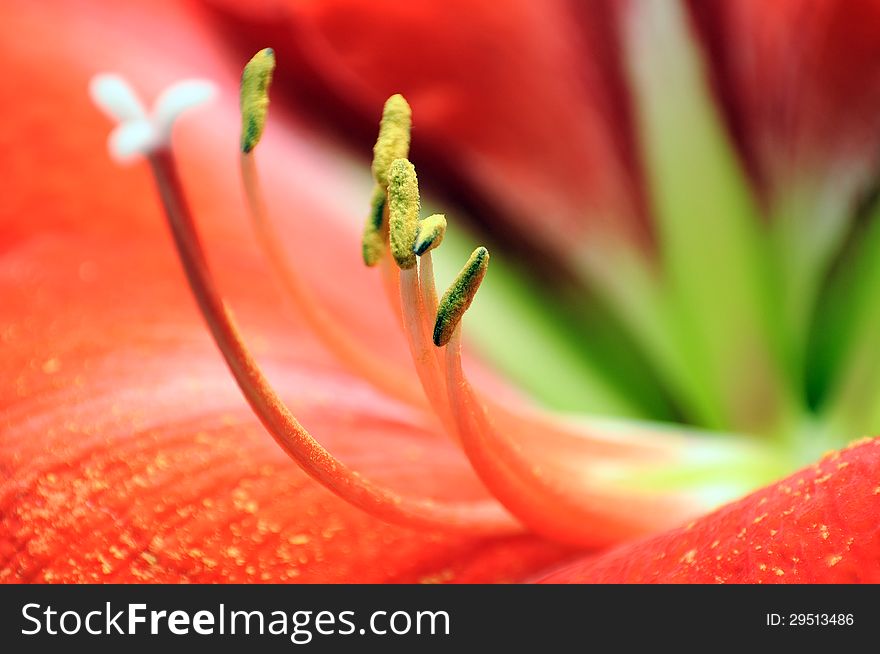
(393, 140)
(255, 81)
(430, 233)
(373, 243)
(403, 211)
(392, 143)
(458, 297)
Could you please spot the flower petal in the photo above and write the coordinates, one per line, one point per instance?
(799, 80)
(818, 526)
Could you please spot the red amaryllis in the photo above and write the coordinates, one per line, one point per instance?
(664, 289)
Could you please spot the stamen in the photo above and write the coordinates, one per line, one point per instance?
(570, 504)
(276, 417)
(403, 208)
(458, 297)
(428, 290)
(392, 143)
(256, 78)
(254, 99)
(394, 136)
(423, 354)
(403, 211)
(430, 234)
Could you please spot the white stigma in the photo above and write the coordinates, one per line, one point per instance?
(138, 132)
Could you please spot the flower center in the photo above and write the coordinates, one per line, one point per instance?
(583, 483)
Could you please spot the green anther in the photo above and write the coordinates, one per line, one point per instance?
(458, 297)
(373, 243)
(403, 211)
(255, 81)
(430, 233)
(393, 141)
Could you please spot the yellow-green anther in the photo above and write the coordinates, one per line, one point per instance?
(393, 141)
(430, 233)
(459, 295)
(255, 81)
(373, 243)
(403, 211)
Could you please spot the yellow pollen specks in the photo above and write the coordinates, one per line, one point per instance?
(51, 366)
(393, 140)
(403, 211)
(442, 577)
(255, 81)
(298, 539)
(833, 560)
(864, 440)
(430, 233)
(459, 295)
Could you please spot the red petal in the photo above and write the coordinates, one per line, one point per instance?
(126, 453)
(799, 80)
(821, 525)
(520, 108)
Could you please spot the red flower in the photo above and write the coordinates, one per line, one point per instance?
(127, 451)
